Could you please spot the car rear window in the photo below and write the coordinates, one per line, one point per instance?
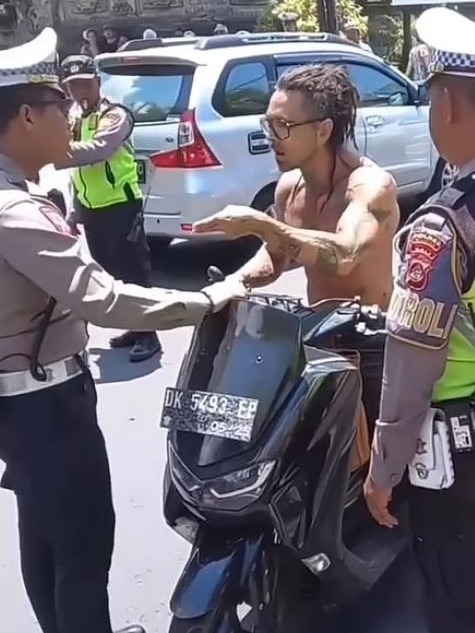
(153, 92)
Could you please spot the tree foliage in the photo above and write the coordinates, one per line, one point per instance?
(347, 11)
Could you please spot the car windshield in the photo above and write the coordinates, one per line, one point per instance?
(153, 92)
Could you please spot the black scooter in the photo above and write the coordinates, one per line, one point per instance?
(261, 428)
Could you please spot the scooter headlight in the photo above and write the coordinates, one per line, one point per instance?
(240, 488)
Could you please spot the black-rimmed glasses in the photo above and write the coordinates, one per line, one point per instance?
(280, 130)
(63, 105)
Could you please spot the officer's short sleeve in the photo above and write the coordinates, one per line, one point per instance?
(429, 271)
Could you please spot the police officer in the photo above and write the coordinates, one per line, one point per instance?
(427, 408)
(49, 438)
(108, 198)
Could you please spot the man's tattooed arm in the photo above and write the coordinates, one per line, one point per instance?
(372, 207)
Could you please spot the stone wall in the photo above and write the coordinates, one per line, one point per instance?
(71, 17)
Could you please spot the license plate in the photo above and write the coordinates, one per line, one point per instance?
(218, 414)
(141, 171)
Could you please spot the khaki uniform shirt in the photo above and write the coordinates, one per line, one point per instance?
(39, 258)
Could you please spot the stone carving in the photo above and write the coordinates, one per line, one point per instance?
(123, 8)
(161, 5)
(33, 16)
(87, 7)
(207, 8)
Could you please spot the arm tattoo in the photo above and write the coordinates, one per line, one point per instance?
(328, 257)
(327, 254)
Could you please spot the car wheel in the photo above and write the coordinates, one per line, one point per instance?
(264, 201)
(444, 176)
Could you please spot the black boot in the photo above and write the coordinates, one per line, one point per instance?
(127, 339)
(146, 345)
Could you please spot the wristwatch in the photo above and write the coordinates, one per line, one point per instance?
(212, 306)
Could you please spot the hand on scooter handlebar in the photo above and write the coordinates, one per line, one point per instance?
(222, 292)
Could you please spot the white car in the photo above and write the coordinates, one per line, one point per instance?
(197, 105)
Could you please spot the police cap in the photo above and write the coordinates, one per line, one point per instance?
(35, 62)
(450, 38)
(78, 67)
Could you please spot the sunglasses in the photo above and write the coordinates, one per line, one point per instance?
(280, 130)
(63, 105)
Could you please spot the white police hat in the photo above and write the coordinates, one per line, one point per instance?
(451, 40)
(35, 62)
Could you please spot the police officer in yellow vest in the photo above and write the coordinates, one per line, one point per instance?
(50, 440)
(427, 413)
(108, 198)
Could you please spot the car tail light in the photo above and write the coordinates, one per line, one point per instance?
(192, 152)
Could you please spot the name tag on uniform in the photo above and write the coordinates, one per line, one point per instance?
(93, 121)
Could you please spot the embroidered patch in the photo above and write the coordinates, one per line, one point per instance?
(426, 295)
(55, 218)
(423, 250)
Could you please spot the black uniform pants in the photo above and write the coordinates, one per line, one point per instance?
(116, 240)
(443, 525)
(57, 465)
(371, 353)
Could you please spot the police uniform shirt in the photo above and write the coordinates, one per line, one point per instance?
(40, 257)
(425, 282)
(113, 124)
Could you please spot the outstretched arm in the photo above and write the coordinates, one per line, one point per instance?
(371, 208)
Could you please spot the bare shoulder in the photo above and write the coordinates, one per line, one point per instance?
(284, 188)
(375, 188)
(371, 179)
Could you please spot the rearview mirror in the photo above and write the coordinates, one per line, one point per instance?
(422, 94)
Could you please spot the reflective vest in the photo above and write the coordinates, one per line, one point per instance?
(109, 182)
(458, 380)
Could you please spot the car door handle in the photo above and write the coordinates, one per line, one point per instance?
(374, 120)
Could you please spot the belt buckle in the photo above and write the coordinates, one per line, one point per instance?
(49, 374)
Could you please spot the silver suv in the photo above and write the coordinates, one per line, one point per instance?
(197, 105)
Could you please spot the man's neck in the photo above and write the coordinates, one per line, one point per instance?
(318, 174)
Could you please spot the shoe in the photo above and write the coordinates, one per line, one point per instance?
(145, 347)
(133, 628)
(127, 339)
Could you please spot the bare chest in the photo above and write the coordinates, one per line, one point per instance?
(322, 213)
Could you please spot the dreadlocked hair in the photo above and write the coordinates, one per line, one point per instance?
(331, 94)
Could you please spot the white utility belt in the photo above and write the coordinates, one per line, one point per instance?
(433, 465)
(18, 383)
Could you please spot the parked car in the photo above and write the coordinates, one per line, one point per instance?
(197, 105)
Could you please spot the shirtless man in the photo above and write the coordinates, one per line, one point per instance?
(336, 213)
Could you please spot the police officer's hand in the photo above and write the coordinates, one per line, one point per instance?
(222, 292)
(377, 500)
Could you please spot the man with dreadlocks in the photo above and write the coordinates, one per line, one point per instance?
(335, 212)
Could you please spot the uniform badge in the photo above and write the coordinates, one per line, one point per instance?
(436, 67)
(74, 68)
(422, 251)
(93, 121)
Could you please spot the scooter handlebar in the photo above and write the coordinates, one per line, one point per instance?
(370, 315)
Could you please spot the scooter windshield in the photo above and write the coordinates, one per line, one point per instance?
(249, 350)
